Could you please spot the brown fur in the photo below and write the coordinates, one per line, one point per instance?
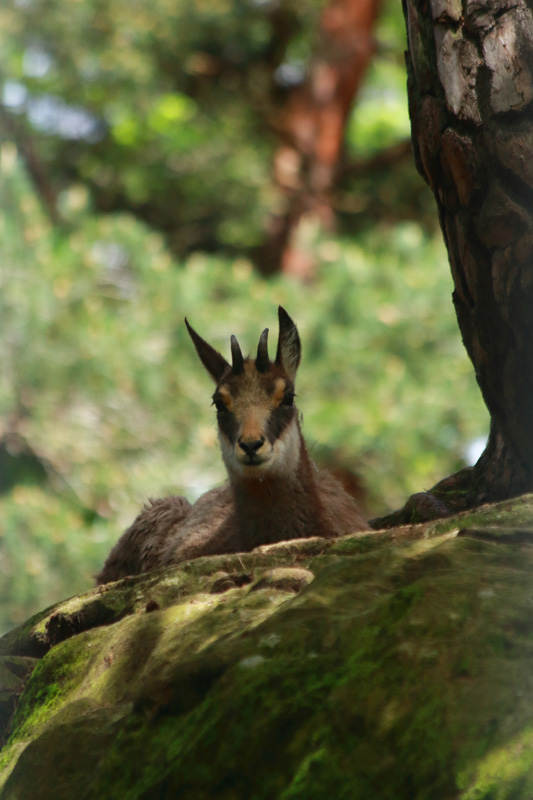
(273, 495)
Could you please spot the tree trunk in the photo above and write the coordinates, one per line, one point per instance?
(470, 81)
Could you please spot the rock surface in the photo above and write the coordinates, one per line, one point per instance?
(394, 664)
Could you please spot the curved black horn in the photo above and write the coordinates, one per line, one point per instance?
(236, 356)
(262, 361)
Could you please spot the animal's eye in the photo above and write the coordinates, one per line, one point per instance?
(288, 399)
(220, 405)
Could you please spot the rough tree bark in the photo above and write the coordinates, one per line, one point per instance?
(312, 129)
(470, 84)
(470, 81)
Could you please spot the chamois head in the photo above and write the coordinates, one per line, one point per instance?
(254, 399)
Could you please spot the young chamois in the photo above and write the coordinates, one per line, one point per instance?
(274, 492)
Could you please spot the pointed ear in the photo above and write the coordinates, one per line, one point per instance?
(214, 363)
(289, 346)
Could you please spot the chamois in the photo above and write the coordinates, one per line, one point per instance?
(274, 491)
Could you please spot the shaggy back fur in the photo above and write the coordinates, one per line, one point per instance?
(274, 491)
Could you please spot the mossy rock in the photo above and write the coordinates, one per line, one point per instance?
(394, 664)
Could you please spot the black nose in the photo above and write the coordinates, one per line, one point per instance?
(250, 448)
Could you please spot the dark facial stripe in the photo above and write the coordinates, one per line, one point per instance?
(227, 425)
(278, 421)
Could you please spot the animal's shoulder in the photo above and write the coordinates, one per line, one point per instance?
(220, 497)
(339, 506)
(209, 528)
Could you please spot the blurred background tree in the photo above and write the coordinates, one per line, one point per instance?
(213, 122)
(209, 159)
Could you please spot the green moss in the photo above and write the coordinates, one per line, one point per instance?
(354, 545)
(504, 774)
(49, 685)
(402, 670)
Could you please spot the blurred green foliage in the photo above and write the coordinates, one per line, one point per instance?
(100, 379)
(381, 117)
(155, 127)
(171, 99)
(171, 110)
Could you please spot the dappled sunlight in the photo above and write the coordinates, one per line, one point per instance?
(120, 407)
(101, 392)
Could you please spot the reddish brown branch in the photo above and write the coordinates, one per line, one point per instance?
(313, 126)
